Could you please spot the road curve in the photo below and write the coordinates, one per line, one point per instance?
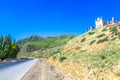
(16, 70)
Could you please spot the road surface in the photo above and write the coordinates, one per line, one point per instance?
(43, 71)
(15, 70)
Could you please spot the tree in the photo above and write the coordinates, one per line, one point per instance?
(1, 47)
(14, 49)
(1, 42)
(8, 48)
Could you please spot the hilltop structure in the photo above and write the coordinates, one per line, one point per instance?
(99, 22)
(112, 23)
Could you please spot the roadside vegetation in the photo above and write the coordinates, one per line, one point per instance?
(8, 47)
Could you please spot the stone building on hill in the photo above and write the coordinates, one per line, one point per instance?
(113, 23)
(99, 22)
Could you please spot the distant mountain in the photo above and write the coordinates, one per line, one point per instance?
(41, 45)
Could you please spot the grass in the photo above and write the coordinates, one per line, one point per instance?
(56, 56)
(73, 56)
(105, 59)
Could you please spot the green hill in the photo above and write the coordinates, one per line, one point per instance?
(94, 55)
(94, 52)
(36, 46)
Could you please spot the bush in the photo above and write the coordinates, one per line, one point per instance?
(92, 42)
(102, 40)
(91, 33)
(114, 39)
(54, 57)
(102, 56)
(62, 58)
(104, 30)
(119, 35)
(82, 40)
(114, 30)
(101, 35)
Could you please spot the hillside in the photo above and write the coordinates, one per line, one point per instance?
(36, 46)
(94, 55)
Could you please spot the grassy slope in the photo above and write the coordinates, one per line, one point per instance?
(93, 52)
(43, 47)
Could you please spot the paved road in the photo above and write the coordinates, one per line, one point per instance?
(15, 70)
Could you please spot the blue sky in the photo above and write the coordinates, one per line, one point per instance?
(22, 18)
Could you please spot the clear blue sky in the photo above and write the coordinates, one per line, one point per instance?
(23, 18)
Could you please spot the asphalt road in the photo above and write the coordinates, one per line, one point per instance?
(16, 70)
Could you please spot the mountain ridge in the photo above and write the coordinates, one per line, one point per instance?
(42, 45)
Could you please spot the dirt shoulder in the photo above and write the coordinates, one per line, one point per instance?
(43, 70)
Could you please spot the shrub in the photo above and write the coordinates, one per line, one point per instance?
(92, 42)
(81, 51)
(102, 40)
(91, 33)
(104, 30)
(102, 56)
(101, 35)
(119, 35)
(62, 58)
(114, 30)
(54, 57)
(82, 40)
(114, 39)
